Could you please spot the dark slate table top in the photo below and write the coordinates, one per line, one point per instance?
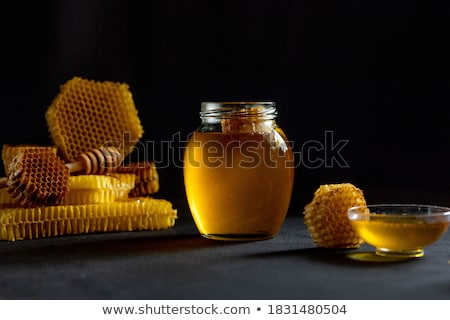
(179, 264)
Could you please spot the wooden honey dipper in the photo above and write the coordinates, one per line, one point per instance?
(41, 178)
(97, 161)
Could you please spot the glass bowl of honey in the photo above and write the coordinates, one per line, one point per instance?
(400, 230)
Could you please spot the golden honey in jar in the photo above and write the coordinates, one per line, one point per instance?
(238, 171)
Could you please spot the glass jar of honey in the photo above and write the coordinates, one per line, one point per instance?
(238, 171)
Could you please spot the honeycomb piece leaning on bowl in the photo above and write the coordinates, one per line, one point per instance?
(326, 216)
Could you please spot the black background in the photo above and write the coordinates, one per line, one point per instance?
(372, 73)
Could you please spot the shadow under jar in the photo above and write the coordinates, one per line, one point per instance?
(238, 171)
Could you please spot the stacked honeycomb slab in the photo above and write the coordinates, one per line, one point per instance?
(131, 214)
(94, 189)
(95, 203)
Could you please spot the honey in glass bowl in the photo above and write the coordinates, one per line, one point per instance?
(400, 230)
(238, 172)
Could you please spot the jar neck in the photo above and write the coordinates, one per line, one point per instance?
(215, 112)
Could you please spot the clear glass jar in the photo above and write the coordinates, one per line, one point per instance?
(238, 171)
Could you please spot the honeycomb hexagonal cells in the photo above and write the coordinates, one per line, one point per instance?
(88, 114)
(38, 177)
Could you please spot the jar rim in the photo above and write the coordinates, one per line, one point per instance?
(215, 105)
(213, 112)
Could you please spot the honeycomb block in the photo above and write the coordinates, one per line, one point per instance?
(124, 215)
(326, 215)
(10, 151)
(88, 114)
(37, 177)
